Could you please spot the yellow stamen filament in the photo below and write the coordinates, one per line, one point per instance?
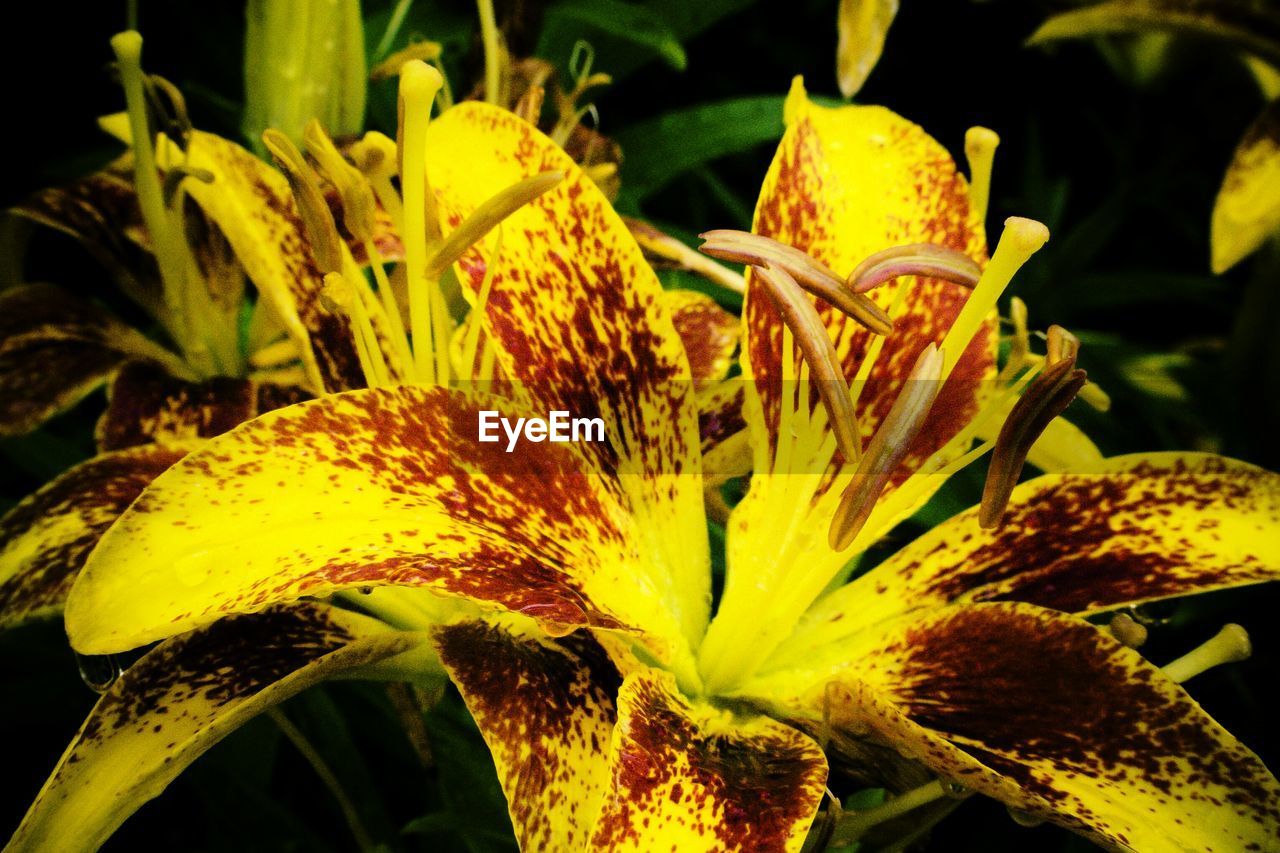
(923, 259)
(419, 84)
(276, 354)
(1229, 645)
(980, 150)
(668, 248)
(814, 276)
(529, 107)
(1046, 398)
(1022, 238)
(852, 825)
(492, 52)
(340, 295)
(317, 219)
(892, 441)
(802, 319)
(1128, 630)
(487, 216)
(475, 324)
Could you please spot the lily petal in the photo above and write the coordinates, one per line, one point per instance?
(46, 538)
(384, 486)
(250, 203)
(1054, 717)
(709, 333)
(691, 777)
(546, 709)
(1138, 528)
(146, 405)
(1247, 210)
(575, 314)
(101, 212)
(55, 350)
(180, 699)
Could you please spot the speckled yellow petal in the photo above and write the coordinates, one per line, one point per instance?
(183, 697)
(845, 183)
(46, 538)
(367, 488)
(250, 202)
(55, 350)
(546, 709)
(145, 404)
(101, 212)
(1052, 716)
(1247, 212)
(1139, 528)
(577, 318)
(709, 334)
(690, 777)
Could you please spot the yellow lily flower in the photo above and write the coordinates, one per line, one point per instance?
(565, 588)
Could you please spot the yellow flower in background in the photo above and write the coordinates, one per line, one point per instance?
(566, 589)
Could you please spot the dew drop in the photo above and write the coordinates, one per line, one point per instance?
(98, 672)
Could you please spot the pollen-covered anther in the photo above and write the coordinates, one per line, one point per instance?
(175, 176)
(1128, 630)
(167, 110)
(486, 217)
(358, 204)
(891, 442)
(1230, 645)
(923, 259)
(825, 370)
(1062, 345)
(1045, 398)
(740, 247)
(317, 218)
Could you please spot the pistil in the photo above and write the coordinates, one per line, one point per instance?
(1229, 645)
(980, 150)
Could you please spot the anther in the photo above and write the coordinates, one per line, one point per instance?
(980, 150)
(529, 107)
(1062, 345)
(825, 370)
(924, 259)
(891, 442)
(168, 110)
(424, 51)
(358, 205)
(658, 244)
(317, 218)
(486, 217)
(814, 276)
(1229, 645)
(1128, 630)
(176, 175)
(1024, 818)
(1045, 398)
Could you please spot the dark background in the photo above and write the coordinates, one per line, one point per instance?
(1122, 169)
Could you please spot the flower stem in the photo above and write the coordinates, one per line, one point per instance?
(854, 824)
(321, 768)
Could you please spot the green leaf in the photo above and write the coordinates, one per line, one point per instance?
(1251, 27)
(662, 148)
(634, 24)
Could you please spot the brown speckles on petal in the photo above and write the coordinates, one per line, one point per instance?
(1052, 715)
(45, 539)
(183, 697)
(690, 777)
(546, 709)
(709, 334)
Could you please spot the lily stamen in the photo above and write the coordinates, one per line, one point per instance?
(486, 217)
(317, 218)
(923, 259)
(1128, 630)
(980, 146)
(1062, 345)
(800, 316)
(1046, 397)
(891, 442)
(1230, 645)
(339, 296)
(811, 274)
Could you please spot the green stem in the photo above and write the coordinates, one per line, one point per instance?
(393, 30)
(492, 59)
(853, 825)
(300, 742)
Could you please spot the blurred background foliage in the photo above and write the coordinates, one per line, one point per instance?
(1120, 157)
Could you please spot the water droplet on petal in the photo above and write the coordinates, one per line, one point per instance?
(98, 672)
